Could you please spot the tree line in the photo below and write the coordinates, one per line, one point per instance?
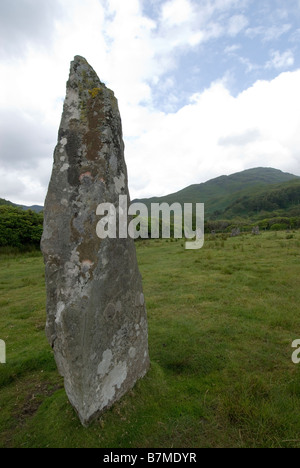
(20, 228)
(278, 200)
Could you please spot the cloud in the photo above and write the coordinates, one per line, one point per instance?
(281, 60)
(270, 33)
(18, 148)
(26, 148)
(242, 139)
(295, 36)
(250, 66)
(131, 52)
(23, 22)
(23, 188)
(236, 24)
(219, 134)
(177, 12)
(184, 23)
(230, 50)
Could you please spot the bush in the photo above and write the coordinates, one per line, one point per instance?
(19, 228)
(278, 227)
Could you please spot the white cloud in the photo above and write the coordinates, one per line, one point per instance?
(295, 36)
(177, 12)
(130, 57)
(25, 187)
(25, 23)
(236, 24)
(196, 38)
(241, 139)
(270, 33)
(184, 23)
(281, 60)
(219, 134)
(248, 64)
(232, 49)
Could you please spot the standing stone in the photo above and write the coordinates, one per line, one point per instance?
(96, 316)
(235, 232)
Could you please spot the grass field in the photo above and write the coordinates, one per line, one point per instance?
(221, 323)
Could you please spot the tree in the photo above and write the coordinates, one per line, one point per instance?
(19, 227)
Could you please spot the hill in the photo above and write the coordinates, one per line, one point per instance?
(6, 202)
(223, 192)
(278, 199)
(251, 193)
(35, 208)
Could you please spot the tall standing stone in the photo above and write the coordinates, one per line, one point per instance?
(96, 316)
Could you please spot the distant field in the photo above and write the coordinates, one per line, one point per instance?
(221, 323)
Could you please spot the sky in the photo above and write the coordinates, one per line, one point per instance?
(205, 87)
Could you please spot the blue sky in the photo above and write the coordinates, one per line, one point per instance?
(205, 87)
(242, 41)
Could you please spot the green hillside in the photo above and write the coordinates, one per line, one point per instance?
(5, 202)
(279, 199)
(35, 208)
(223, 192)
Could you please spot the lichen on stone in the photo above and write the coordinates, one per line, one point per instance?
(94, 92)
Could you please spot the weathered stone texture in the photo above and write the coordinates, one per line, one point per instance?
(96, 316)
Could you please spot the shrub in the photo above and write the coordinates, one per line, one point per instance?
(278, 227)
(19, 227)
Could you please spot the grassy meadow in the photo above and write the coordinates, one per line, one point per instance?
(221, 323)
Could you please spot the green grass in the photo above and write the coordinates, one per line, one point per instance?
(221, 324)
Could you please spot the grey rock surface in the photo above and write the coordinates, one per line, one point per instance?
(96, 315)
